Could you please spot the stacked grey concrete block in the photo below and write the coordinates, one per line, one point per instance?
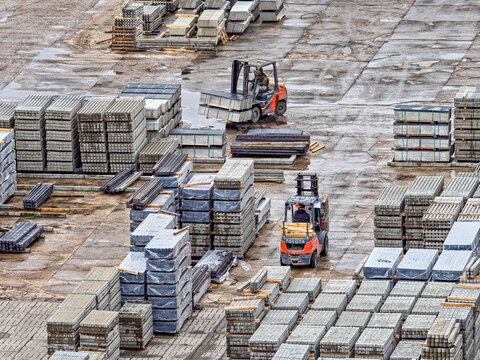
(100, 331)
(154, 224)
(389, 218)
(416, 326)
(7, 114)
(241, 15)
(311, 286)
(418, 197)
(30, 133)
(225, 106)
(98, 288)
(417, 264)
(126, 131)
(387, 320)
(451, 265)
(467, 125)
(243, 318)
(112, 276)
(93, 136)
(165, 201)
(461, 186)
(375, 287)
(463, 236)
(272, 10)
(197, 212)
(375, 343)
(422, 133)
(407, 350)
(339, 341)
(382, 263)
(152, 18)
(438, 220)
(210, 24)
(330, 302)
(63, 329)
(154, 151)
(399, 304)
(444, 340)
(133, 276)
(8, 175)
(200, 143)
(169, 285)
(471, 211)
(234, 207)
(292, 352)
(136, 324)
(308, 335)
(63, 149)
(354, 319)
(266, 341)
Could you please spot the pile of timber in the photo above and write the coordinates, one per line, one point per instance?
(296, 230)
(269, 145)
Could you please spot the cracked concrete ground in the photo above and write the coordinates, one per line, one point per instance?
(346, 64)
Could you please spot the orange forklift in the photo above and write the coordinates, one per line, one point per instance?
(304, 232)
(272, 100)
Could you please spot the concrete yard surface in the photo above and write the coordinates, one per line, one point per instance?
(346, 64)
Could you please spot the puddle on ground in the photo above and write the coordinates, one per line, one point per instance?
(190, 116)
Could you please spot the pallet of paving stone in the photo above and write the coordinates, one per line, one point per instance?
(290, 351)
(76, 301)
(461, 187)
(100, 289)
(437, 290)
(199, 137)
(33, 107)
(245, 310)
(312, 286)
(171, 92)
(422, 113)
(233, 174)
(241, 10)
(422, 143)
(273, 16)
(408, 288)
(63, 329)
(155, 150)
(135, 324)
(225, 100)
(280, 317)
(450, 265)
(423, 190)
(407, 350)
(393, 320)
(399, 304)
(280, 275)
(182, 26)
(428, 306)
(382, 263)
(391, 201)
(365, 303)
(325, 302)
(375, 287)
(20, 237)
(100, 331)
(112, 276)
(422, 155)
(152, 18)
(423, 129)
(7, 114)
(70, 355)
(416, 326)
(224, 114)
(375, 343)
(307, 335)
(267, 339)
(223, 206)
(339, 341)
(471, 211)
(417, 264)
(150, 227)
(320, 318)
(270, 5)
(354, 319)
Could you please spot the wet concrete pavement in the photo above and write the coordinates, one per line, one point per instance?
(346, 64)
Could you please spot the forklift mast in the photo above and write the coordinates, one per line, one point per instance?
(307, 184)
(237, 67)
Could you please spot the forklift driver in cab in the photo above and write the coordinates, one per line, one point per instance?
(301, 215)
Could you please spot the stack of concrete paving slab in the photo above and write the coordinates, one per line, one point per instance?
(30, 133)
(259, 287)
(133, 276)
(422, 133)
(218, 4)
(171, 5)
(126, 131)
(183, 27)
(7, 114)
(408, 288)
(444, 340)
(165, 201)
(399, 304)
(190, 7)
(200, 143)
(266, 340)
(467, 124)
(154, 151)
(234, 207)
(8, 175)
(241, 15)
(292, 352)
(308, 335)
(336, 286)
(417, 264)
(375, 287)
(471, 275)
(225, 106)
(365, 303)
(272, 10)
(63, 328)
(451, 265)
(471, 211)
(281, 317)
(93, 136)
(438, 220)
(136, 324)
(63, 150)
(98, 288)
(292, 301)
(330, 302)
(311, 286)
(407, 350)
(417, 325)
(382, 263)
(463, 236)
(390, 321)
(354, 319)
(339, 341)
(153, 225)
(461, 186)
(243, 318)
(152, 18)
(100, 331)
(375, 343)
(169, 285)
(197, 212)
(210, 25)
(418, 197)
(112, 276)
(163, 106)
(389, 218)
(70, 355)
(279, 275)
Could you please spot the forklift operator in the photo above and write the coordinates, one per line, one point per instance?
(262, 81)
(301, 215)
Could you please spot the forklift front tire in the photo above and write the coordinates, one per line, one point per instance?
(281, 107)
(256, 114)
(324, 251)
(313, 260)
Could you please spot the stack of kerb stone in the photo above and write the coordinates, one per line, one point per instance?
(467, 125)
(389, 218)
(112, 276)
(136, 325)
(93, 136)
(234, 207)
(8, 174)
(418, 198)
(126, 131)
(100, 331)
(30, 133)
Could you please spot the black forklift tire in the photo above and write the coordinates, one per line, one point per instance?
(281, 262)
(281, 107)
(313, 260)
(324, 251)
(256, 114)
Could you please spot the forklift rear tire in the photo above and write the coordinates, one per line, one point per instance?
(256, 114)
(313, 260)
(281, 107)
(324, 251)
